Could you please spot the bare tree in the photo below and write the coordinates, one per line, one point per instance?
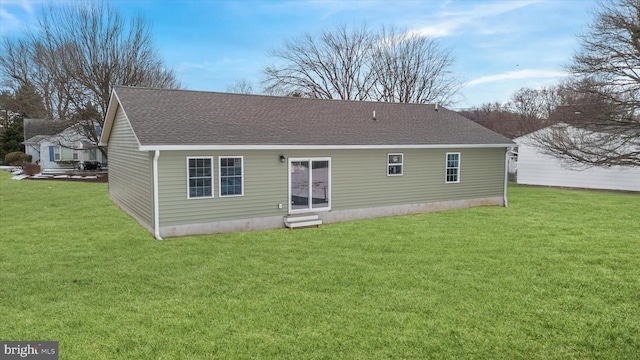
(495, 116)
(411, 68)
(334, 65)
(241, 86)
(602, 127)
(535, 106)
(586, 132)
(28, 61)
(527, 110)
(361, 64)
(77, 53)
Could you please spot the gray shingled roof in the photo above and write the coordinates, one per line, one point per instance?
(183, 117)
(34, 140)
(33, 127)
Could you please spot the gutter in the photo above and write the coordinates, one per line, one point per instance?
(156, 198)
(506, 177)
(318, 147)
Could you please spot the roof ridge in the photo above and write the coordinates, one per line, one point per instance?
(386, 103)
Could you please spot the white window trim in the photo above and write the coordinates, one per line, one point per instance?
(212, 177)
(220, 175)
(446, 167)
(401, 164)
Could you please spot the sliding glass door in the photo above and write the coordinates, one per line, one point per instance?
(309, 184)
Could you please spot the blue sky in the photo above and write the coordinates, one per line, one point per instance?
(499, 46)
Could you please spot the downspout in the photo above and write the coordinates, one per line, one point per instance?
(506, 176)
(156, 198)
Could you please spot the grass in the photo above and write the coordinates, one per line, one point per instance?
(554, 276)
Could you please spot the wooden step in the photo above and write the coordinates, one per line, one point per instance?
(298, 221)
(296, 218)
(315, 223)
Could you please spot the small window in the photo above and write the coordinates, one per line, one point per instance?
(453, 168)
(394, 164)
(200, 175)
(56, 153)
(231, 174)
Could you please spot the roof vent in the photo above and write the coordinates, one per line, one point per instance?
(374, 116)
(436, 106)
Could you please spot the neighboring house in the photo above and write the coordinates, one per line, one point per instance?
(68, 149)
(536, 168)
(188, 162)
(35, 130)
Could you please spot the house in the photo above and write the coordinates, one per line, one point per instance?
(35, 130)
(67, 149)
(537, 168)
(189, 162)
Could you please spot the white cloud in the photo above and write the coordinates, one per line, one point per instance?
(7, 16)
(449, 22)
(515, 75)
(435, 31)
(15, 15)
(207, 65)
(187, 66)
(26, 5)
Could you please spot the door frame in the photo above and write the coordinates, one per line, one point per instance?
(310, 208)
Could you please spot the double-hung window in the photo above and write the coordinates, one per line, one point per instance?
(453, 168)
(200, 177)
(394, 164)
(62, 153)
(231, 174)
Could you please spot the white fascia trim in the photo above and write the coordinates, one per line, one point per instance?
(316, 147)
(110, 120)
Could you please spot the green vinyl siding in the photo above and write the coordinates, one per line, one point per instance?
(130, 175)
(265, 187)
(358, 180)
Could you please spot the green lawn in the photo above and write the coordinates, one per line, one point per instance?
(554, 276)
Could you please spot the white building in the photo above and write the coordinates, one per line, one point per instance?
(536, 168)
(68, 149)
